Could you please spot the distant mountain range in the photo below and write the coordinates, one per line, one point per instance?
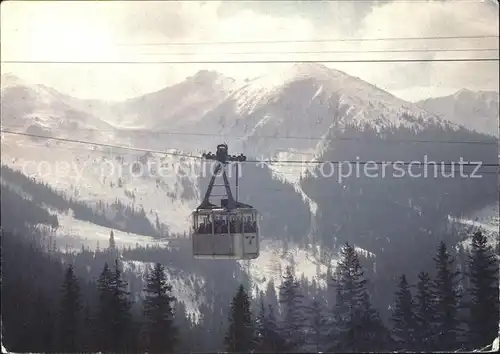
(476, 110)
(291, 110)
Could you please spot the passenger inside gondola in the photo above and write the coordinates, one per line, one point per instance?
(204, 224)
(235, 224)
(249, 226)
(223, 224)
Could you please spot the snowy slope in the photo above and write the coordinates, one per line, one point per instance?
(36, 108)
(73, 233)
(175, 107)
(487, 220)
(92, 174)
(182, 284)
(475, 110)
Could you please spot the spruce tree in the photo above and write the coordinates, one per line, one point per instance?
(104, 316)
(69, 315)
(260, 327)
(317, 324)
(482, 266)
(114, 310)
(292, 310)
(158, 310)
(446, 300)
(240, 334)
(271, 298)
(403, 317)
(112, 242)
(272, 341)
(371, 332)
(424, 313)
(357, 323)
(350, 285)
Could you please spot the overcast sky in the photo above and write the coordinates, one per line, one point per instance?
(118, 31)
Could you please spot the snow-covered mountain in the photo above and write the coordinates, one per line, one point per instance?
(476, 110)
(296, 108)
(291, 110)
(38, 109)
(298, 104)
(175, 107)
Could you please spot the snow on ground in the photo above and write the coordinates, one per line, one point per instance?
(90, 174)
(273, 260)
(73, 233)
(293, 172)
(366, 100)
(182, 284)
(486, 219)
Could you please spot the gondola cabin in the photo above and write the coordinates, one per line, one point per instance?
(220, 233)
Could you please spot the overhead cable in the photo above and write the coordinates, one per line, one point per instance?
(449, 60)
(464, 163)
(278, 137)
(319, 40)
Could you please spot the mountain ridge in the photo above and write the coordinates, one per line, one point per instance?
(475, 110)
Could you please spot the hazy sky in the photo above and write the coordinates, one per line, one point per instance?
(118, 31)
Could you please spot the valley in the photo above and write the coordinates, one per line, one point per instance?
(301, 118)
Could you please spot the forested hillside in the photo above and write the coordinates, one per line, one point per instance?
(117, 215)
(94, 301)
(399, 212)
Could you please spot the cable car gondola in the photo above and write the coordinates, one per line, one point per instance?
(229, 230)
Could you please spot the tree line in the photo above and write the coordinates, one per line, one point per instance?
(116, 215)
(437, 313)
(430, 316)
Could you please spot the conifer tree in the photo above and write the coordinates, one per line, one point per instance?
(271, 340)
(350, 285)
(482, 266)
(318, 325)
(292, 310)
(357, 324)
(112, 243)
(103, 319)
(184, 325)
(424, 313)
(271, 298)
(371, 332)
(114, 310)
(446, 300)
(403, 317)
(158, 310)
(240, 334)
(260, 324)
(69, 315)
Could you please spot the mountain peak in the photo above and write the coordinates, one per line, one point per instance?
(206, 75)
(312, 69)
(463, 91)
(11, 80)
(209, 76)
